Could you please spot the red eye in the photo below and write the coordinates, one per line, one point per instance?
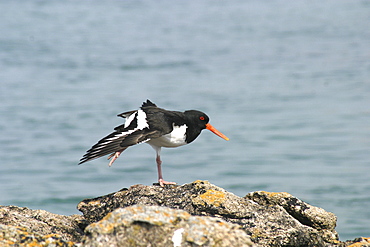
(201, 118)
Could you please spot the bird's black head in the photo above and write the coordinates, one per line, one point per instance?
(197, 118)
(200, 121)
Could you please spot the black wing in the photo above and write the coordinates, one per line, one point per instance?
(138, 130)
(118, 141)
(155, 123)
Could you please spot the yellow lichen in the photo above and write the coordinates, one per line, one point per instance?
(213, 197)
(361, 243)
(276, 194)
(200, 182)
(52, 235)
(94, 203)
(358, 244)
(104, 226)
(257, 233)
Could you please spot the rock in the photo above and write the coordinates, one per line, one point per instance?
(160, 226)
(358, 242)
(306, 214)
(269, 219)
(195, 214)
(11, 236)
(42, 223)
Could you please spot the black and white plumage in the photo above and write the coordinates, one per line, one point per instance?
(153, 125)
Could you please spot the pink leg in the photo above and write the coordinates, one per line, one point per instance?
(115, 156)
(160, 177)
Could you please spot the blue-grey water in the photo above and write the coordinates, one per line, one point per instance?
(286, 81)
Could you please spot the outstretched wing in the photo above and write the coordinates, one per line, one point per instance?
(117, 141)
(136, 130)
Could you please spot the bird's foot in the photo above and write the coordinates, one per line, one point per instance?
(115, 156)
(162, 182)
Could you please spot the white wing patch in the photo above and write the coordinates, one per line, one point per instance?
(174, 139)
(141, 120)
(141, 124)
(136, 121)
(129, 119)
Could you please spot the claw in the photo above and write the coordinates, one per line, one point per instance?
(162, 182)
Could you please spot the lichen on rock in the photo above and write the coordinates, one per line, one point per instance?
(194, 214)
(141, 225)
(11, 236)
(42, 222)
(269, 219)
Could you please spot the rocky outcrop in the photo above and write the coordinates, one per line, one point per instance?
(11, 236)
(160, 226)
(195, 214)
(41, 222)
(308, 215)
(269, 219)
(358, 242)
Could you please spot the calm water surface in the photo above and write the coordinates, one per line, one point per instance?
(288, 82)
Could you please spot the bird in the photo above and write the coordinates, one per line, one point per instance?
(155, 126)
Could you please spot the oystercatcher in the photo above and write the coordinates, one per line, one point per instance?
(157, 127)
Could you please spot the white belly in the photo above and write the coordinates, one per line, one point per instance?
(174, 139)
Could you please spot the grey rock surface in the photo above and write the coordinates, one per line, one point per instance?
(195, 214)
(42, 222)
(306, 214)
(160, 226)
(12, 236)
(281, 223)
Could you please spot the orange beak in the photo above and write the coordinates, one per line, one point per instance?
(214, 130)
